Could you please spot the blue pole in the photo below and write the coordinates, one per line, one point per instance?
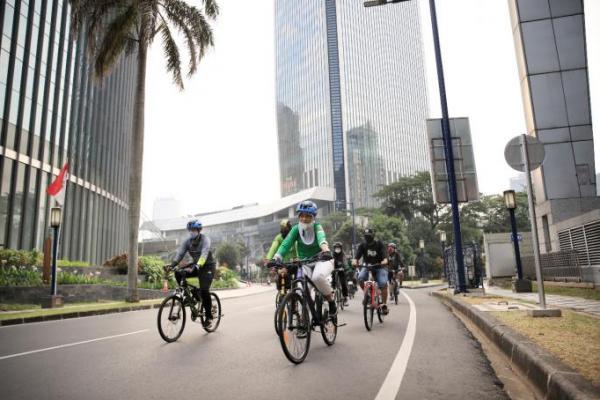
(54, 251)
(462, 287)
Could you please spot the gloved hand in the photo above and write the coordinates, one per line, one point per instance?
(201, 261)
(325, 256)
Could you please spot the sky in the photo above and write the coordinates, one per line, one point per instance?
(213, 146)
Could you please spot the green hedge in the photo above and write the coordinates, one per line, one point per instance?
(20, 258)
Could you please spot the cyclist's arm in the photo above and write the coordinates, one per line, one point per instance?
(359, 253)
(274, 246)
(204, 252)
(321, 238)
(383, 254)
(288, 242)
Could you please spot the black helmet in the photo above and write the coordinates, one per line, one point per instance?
(338, 244)
(369, 234)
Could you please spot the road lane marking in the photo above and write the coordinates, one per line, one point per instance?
(71, 344)
(391, 385)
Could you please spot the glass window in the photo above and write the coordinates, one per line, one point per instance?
(4, 192)
(41, 228)
(17, 207)
(29, 214)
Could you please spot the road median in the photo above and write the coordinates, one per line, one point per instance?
(553, 378)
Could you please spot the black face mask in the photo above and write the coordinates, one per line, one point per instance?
(369, 238)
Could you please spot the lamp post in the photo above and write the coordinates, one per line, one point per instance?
(443, 241)
(519, 284)
(54, 300)
(422, 251)
(448, 152)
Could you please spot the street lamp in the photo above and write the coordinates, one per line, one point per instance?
(443, 241)
(519, 284)
(448, 152)
(422, 249)
(55, 217)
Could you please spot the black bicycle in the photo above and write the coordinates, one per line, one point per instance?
(299, 314)
(337, 287)
(171, 314)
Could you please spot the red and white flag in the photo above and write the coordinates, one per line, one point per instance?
(57, 188)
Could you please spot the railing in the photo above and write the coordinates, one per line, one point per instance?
(556, 266)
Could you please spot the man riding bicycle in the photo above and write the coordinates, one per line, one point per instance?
(339, 260)
(202, 265)
(395, 264)
(285, 226)
(373, 252)
(310, 239)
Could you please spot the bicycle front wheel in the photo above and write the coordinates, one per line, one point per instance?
(215, 314)
(368, 311)
(294, 327)
(171, 319)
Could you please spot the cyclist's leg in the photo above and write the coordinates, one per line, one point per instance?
(182, 273)
(344, 281)
(319, 277)
(363, 275)
(381, 276)
(205, 277)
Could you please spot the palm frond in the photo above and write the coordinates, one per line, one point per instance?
(172, 54)
(180, 24)
(196, 22)
(115, 39)
(211, 8)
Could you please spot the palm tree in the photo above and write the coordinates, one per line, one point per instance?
(117, 27)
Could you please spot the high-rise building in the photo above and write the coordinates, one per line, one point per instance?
(344, 71)
(550, 43)
(53, 111)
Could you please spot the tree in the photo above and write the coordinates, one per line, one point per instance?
(118, 27)
(411, 197)
(228, 254)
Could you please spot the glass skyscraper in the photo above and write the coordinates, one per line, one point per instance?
(352, 80)
(53, 111)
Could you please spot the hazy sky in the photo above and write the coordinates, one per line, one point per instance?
(214, 145)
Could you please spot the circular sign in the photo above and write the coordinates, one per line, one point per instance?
(513, 153)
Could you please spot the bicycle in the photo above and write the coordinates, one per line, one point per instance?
(372, 299)
(282, 271)
(299, 315)
(171, 313)
(337, 287)
(394, 286)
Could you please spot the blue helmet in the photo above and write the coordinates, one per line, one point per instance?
(194, 224)
(307, 207)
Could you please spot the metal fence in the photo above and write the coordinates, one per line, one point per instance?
(473, 266)
(556, 266)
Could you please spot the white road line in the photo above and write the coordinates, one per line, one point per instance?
(391, 385)
(71, 344)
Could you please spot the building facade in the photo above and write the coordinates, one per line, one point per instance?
(551, 53)
(53, 111)
(342, 71)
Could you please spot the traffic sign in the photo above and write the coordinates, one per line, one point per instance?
(513, 153)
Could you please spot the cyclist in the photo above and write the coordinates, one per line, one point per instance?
(310, 238)
(395, 266)
(373, 252)
(339, 260)
(285, 226)
(202, 265)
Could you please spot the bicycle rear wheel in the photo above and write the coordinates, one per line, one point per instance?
(171, 318)
(339, 297)
(396, 292)
(215, 313)
(294, 327)
(368, 311)
(380, 314)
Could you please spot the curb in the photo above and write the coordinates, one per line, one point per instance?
(551, 376)
(424, 286)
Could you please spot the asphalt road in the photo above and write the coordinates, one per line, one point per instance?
(120, 356)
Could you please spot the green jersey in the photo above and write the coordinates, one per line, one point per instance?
(307, 246)
(292, 254)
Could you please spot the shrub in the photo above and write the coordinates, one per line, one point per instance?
(13, 276)
(20, 258)
(120, 263)
(67, 263)
(152, 267)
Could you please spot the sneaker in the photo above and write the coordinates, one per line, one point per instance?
(384, 309)
(207, 322)
(346, 303)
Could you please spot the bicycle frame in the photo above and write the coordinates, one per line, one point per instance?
(303, 281)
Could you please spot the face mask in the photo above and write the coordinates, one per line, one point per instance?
(194, 235)
(306, 226)
(338, 251)
(369, 238)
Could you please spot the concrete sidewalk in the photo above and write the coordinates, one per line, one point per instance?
(575, 303)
